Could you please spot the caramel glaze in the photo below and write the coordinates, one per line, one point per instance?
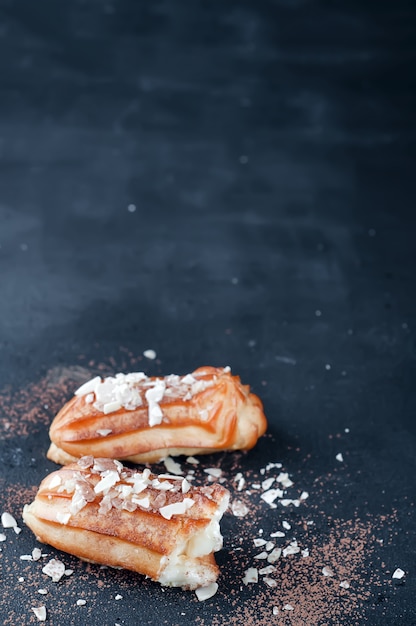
(224, 416)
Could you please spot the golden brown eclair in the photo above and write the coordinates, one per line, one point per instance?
(159, 526)
(143, 420)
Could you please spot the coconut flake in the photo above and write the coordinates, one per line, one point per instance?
(266, 484)
(288, 607)
(344, 584)
(55, 569)
(216, 472)
(251, 575)
(339, 457)
(327, 571)
(88, 387)
(398, 573)
(177, 508)
(259, 542)
(238, 508)
(103, 432)
(111, 407)
(150, 354)
(270, 581)
(40, 613)
(63, 518)
(274, 555)
(261, 555)
(8, 521)
(204, 593)
(36, 554)
(269, 569)
(108, 481)
(286, 525)
(278, 533)
(172, 466)
(192, 460)
(153, 396)
(271, 495)
(81, 602)
(291, 549)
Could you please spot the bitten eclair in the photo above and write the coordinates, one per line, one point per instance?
(159, 526)
(141, 419)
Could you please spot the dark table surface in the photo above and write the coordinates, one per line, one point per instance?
(226, 183)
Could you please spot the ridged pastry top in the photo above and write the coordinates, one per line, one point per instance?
(131, 414)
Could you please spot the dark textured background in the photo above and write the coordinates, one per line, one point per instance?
(269, 150)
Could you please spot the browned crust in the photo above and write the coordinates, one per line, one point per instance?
(139, 541)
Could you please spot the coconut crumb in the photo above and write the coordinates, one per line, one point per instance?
(339, 457)
(398, 574)
(150, 354)
(81, 602)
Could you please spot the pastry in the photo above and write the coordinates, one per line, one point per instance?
(159, 526)
(144, 420)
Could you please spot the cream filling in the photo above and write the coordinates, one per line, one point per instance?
(179, 568)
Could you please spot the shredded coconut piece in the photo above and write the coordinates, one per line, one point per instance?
(398, 573)
(3, 537)
(262, 555)
(192, 460)
(40, 613)
(213, 471)
(286, 525)
(36, 554)
(327, 571)
(251, 575)
(344, 584)
(177, 508)
(8, 521)
(88, 387)
(239, 509)
(259, 542)
(204, 593)
(150, 354)
(108, 481)
(288, 607)
(42, 592)
(271, 495)
(55, 569)
(103, 432)
(270, 581)
(339, 457)
(278, 533)
(81, 602)
(63, 518)
(291, 549)
(172, 466)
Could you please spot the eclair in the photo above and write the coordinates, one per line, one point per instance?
(159, 526)
(145, 419)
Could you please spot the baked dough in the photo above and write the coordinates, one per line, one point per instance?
(159, 526)
(140, 419)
